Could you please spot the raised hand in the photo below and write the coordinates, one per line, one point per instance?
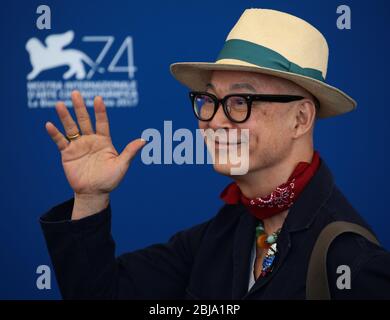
(91, 163)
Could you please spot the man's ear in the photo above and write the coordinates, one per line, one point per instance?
(304, 117)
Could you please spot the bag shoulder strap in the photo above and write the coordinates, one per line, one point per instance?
(317, 287)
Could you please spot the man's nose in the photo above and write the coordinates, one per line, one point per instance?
(220, 120)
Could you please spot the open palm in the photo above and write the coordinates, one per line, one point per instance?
(91, 163)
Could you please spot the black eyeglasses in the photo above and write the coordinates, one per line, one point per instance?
(237, 107)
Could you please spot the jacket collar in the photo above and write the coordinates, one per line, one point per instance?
(313, 197)
(242, 249)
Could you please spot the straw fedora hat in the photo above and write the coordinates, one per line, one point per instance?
(275, 43)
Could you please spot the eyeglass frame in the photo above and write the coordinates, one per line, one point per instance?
(249, 98)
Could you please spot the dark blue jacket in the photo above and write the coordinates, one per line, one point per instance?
(212, 260)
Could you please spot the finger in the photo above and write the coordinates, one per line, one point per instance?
(56, 136)
(130, 151)
(81, 113)
(66, 119)
(102, 124)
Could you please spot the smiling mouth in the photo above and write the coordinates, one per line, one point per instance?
(225, 143)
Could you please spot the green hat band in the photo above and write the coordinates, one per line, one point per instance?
(264, 57)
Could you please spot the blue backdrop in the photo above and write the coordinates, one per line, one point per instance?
(154, 201)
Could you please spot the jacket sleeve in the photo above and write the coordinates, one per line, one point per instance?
(369, 265)
(83, 255)
(373, 277)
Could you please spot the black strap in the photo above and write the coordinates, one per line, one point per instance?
(317, 287)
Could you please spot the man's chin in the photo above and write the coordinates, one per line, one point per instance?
(228, 169)
(224, 169)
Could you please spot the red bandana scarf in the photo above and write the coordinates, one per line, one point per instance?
(281, 198)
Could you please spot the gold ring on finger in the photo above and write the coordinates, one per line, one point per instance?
(73, 137)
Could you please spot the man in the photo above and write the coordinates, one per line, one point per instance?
(268, 80)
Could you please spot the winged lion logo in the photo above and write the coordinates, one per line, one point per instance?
(53, 55)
